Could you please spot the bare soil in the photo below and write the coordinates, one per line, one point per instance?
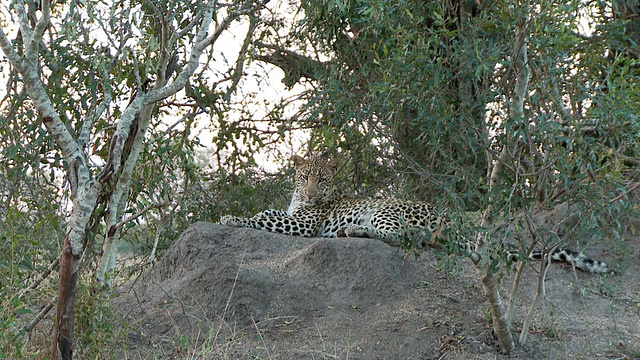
(225, 293)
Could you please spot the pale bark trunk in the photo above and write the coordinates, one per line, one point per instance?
(119, 198)
(160, 91)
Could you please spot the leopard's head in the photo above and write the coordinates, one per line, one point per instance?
(315, 179)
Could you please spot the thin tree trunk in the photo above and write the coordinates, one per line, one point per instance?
(501, 325)
(545, 264)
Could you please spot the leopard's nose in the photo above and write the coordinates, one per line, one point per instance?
(311, 193)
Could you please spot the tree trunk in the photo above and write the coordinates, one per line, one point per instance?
(69, 265)
(501, 325)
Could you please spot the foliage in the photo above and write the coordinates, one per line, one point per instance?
(208, 192)
(100, 330)
(31, 227)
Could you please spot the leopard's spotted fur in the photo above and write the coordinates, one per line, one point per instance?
(319, 209)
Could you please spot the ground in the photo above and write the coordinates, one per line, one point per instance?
(227, 293)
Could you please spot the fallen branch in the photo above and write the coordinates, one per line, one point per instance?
(35, 320)
(40, 278)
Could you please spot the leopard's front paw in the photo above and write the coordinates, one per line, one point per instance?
(355, 231)
(341, 232)
(230, 220)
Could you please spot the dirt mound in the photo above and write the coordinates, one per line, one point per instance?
(253, 275)
(221, 292)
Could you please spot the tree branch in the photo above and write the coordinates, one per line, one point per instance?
(165, 47)
(201, 43)
(238, 70)
(489, 282)
(10, 53)
(25, 28)
(192, 24)
(33, 43)
(87, 124)
(142, 212)
(36, 90)
(637, 185)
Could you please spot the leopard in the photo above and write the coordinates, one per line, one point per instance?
(319, 208)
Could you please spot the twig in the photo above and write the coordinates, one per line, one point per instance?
(571, 319)
(40, 278)
(618, 298)
(637, 185)
(226, 307)
(195, 344)
(545, 264)
(141, 212)
(184, 309)
(520, 268)
(186, 117)
(261, 337)
(164, 223)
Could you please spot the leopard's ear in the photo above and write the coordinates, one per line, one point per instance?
(298, 161)
(332, 165)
